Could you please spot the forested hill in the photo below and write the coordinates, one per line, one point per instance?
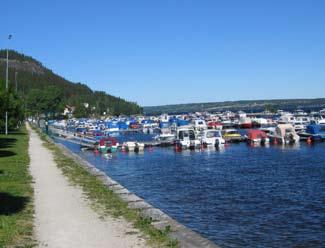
(248, 105)
(31, 74)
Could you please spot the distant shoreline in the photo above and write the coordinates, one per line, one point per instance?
(314, 104)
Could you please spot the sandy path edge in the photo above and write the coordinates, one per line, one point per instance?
(63, 218)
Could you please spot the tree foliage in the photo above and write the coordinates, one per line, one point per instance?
(13, 104)
(47, 101)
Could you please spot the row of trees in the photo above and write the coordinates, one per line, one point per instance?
(49, 103)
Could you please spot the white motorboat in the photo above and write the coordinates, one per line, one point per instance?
(129, 146)
(284, 134)
(212, 137)
(166, 138)
(186, 138)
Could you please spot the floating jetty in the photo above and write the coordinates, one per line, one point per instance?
(91, 143)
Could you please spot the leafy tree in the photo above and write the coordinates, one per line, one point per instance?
(13, 104)
(46, 102)
(82, 111)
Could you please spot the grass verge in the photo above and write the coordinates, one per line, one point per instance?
(16, 193)
(105, 200)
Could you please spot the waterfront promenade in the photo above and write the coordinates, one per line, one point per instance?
(63, 217)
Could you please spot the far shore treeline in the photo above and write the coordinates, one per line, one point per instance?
(249, 106)
(37, 91)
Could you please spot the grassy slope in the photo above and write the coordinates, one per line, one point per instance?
(16, 194)
(105, 201)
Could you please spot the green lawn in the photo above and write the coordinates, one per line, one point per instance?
(16, 194)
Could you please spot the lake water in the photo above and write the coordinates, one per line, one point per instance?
(240, 196)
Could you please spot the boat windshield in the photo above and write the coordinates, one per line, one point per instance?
(183, 134)
(288, 130)
(212, 134)
(232, 132)
(192, 135)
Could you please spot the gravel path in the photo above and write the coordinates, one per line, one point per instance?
(63, 218)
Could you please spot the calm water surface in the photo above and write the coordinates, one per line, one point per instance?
(238, 197)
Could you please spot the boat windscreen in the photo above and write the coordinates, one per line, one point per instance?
(212, 134)
(232, 132)
(192, 135)
(288, 130)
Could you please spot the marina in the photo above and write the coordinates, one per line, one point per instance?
(192, 131)
(258, 186)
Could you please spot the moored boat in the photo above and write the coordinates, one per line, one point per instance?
(232, 135)
(211, 137)
(255, 136)
(316, 132)
(284, 134)
(166, 139)
(107, 144)
(245, 123)
(186, 139)
(129, 146)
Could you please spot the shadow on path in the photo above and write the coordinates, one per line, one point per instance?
(10, 204)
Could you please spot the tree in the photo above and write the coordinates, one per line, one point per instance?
(47, 102)
(10, 102)
(81, 111)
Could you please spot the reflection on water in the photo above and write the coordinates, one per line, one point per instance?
(238, 196)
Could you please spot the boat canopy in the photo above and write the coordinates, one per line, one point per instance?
(256, 134)
(146, 121)
(164, 124)
(315, 129)
(122, 125)
(111, 124)
(173, 120)
(181, 122)
(214, 124)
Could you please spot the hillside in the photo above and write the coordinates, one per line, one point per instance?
(249, 106)
(31, 74)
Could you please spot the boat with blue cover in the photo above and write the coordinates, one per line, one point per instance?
(315, 131)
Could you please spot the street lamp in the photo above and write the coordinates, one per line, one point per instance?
(9, 37)
(16, 73)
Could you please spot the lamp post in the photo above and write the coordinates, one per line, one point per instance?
(7, 69)
(16, 73)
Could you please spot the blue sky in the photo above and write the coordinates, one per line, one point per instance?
(176, 51)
